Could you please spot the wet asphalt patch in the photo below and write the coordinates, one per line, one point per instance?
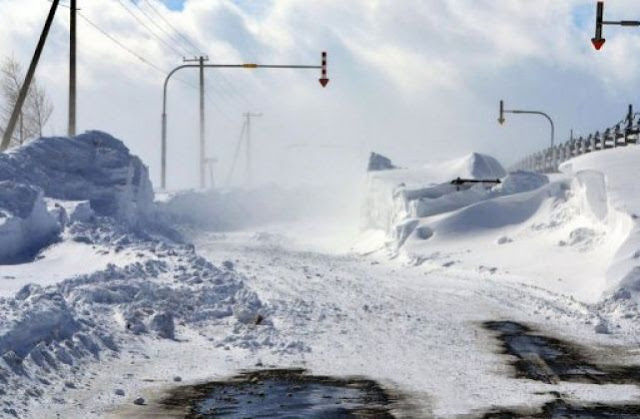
(283, 393)
(561, 409)
(551, 360)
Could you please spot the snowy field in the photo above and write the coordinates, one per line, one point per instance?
(110, 297)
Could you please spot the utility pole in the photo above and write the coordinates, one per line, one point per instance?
(248, 117)
(17, 109)
(201, 60)
(163, 146)
(72, 70)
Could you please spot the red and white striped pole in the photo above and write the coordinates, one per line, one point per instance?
(324, 80)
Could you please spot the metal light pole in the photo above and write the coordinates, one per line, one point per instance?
(598, 41)
(163, 160)
(502, 120)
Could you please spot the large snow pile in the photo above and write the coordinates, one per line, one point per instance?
(574, 233)
(619, 167)
(396, 194)
(93, 166)
(107, 281)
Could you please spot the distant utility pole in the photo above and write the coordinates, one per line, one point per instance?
(201, 60)
(17, 109)
(210, 162)
(248, 117)
(72, 70)
(598, 40)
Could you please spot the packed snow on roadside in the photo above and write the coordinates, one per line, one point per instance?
(92, 275)
(573, 232)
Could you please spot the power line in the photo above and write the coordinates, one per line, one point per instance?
(151, 64)
(229, 86)
(121, 45)
(163, 30)
(179, 53)
(196, 49)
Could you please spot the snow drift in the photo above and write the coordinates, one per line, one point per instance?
(94, 170)
(394, 195)
(574, 233)
(91, 197)
(93, 166)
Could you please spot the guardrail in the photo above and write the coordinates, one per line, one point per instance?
(624, 133)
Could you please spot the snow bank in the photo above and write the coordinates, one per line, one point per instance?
(49, 333)
(25, 224)
(576, 233)
(618, 167)
(394, 196)
(93, 166)
(54, 181)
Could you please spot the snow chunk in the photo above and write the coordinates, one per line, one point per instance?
(379, 162)
(25, 224)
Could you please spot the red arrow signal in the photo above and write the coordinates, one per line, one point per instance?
(324, 81)
(598, 43)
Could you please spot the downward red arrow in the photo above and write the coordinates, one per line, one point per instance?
(598, 43)
(324, 81)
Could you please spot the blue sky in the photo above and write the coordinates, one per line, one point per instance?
(175, 4)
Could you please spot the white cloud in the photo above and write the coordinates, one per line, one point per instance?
(417, 79)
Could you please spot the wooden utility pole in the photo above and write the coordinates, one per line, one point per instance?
(72, 70)
(248, 117)
(17, 109)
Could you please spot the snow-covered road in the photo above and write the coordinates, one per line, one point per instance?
(416, 329)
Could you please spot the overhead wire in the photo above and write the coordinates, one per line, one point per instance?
(151, 32)
(230, 89)
(160, 28)
(195, 49)
(148, 62)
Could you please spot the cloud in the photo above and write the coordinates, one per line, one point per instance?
(419, 80)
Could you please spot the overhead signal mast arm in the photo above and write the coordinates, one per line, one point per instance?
(598, 41)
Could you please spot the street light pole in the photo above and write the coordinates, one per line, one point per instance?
(163, 159)
(598, 41)
(502, 120)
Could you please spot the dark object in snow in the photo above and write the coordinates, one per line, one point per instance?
(177, 378)
(258, 320)
(228, 265)
(119, 392)
(460, 182)
(378, 162)
(139, 401)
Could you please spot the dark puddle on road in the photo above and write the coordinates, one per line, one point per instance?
(551, 361)
(562, 409)
(283, 393)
